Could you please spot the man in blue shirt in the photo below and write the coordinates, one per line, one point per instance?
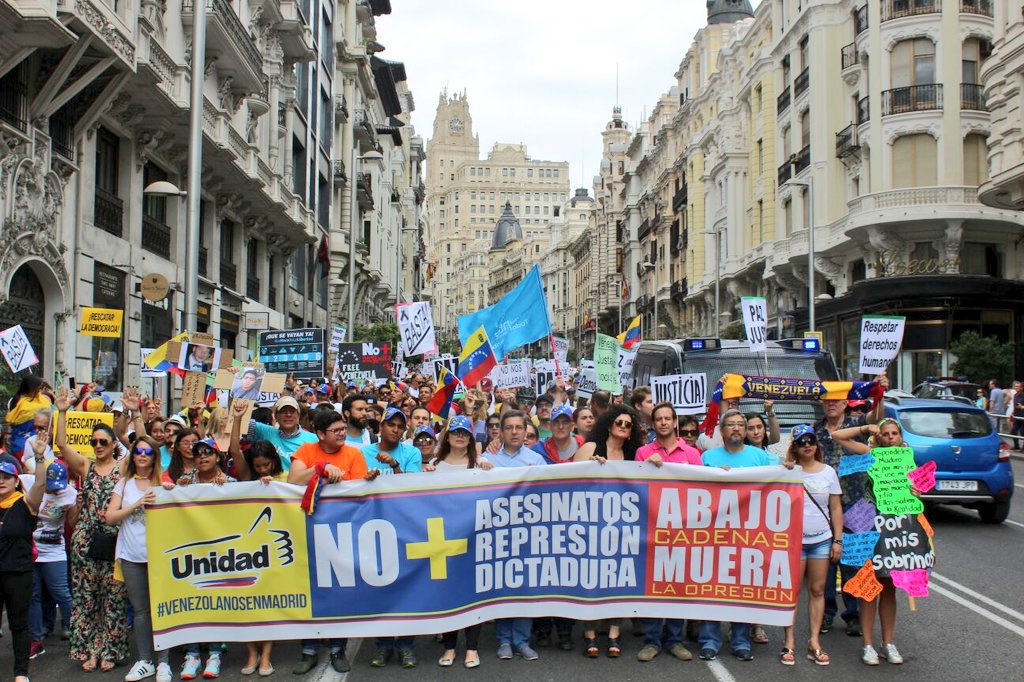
(733, 454)
(288, 435)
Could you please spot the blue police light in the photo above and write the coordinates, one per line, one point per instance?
(811, 345)
(696, 344)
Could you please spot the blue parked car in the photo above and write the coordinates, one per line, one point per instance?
(973, 463)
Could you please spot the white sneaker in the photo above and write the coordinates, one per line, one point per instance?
(869, 656)
(163, 673)
(890, 653)
(140, 671)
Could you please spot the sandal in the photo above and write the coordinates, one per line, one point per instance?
(447, 659)
(107, 666)
(787, 657)
(590, 649)
(472, 660)
(89, 665)
(613, 648)
(818, 656)
(758, 635)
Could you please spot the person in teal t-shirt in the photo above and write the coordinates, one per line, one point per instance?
(390, 454)
(288, 435)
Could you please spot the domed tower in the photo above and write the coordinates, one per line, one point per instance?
(728, 11)
(506, 230)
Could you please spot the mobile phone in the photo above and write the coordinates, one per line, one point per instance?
(71, 383)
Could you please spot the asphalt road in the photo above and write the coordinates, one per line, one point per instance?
(970, 628)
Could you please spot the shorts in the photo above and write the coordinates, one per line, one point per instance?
(816, 550)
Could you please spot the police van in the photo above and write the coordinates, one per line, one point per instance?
(791, 358)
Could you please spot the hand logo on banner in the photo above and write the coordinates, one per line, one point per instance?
(864, 585)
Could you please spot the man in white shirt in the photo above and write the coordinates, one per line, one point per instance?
(41, 424)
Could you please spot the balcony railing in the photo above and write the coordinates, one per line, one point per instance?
(679, 290)
(156, 237)
(802, 82)
(339, 172)
(846, 141)
(860, 20)
(236, 32)
(895, 9)
(644, 229)
(203, 257)
(61, 125)
(803, 159)
(972, 97)
(14, 98)
(983, 7)
(109, 210)
(252, 287)
(783, 100)
(229, 275)
(849, 55)
(679, 199)
(364, 191)
(863, 110)
(912, 98)
(785, 173)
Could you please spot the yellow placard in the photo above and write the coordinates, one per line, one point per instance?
(79, 426)
(101, 322)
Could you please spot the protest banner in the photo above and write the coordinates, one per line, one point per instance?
(363, 361)
(105, 322)
(299, 352)
(586, 384)
(561, 349)
(755, 321)
(416, 328)
(687, 392)
(515, 374)
(606, 364)
(625, 365)
(79, 426)
(16, 349)
(880, 340)
(337, 337)
(890, 485)
(424, 554)
(544, 378)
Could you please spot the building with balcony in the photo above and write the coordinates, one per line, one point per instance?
(1001, 75)
(557, 265)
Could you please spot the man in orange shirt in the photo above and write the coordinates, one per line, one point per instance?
(341, 463)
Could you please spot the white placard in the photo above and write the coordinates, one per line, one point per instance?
(256, 320)
(16, 349)
(449, 362)
(144, 370)
(587, 382)
(513, 375)
(338, 337)
(880, 340)
(416, 327)
(266, 399)
(544, 378)
(687, 392)
(755, 319)
(561, 350)
(626, 359)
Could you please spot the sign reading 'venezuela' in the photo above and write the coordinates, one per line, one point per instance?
(299, 352)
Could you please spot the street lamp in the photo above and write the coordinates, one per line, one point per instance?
(647, 265)
(372, 155)
(809, 186)
(717, 232)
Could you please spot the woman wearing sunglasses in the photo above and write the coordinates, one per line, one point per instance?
(99, 628)
(182, 460)
(127, 509)
(822, 539)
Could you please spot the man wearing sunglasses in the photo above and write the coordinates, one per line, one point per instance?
(40, 429)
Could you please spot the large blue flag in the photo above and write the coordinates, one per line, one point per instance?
(519, 318)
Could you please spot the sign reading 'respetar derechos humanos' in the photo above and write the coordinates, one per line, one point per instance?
(420, 554)
(299, 352)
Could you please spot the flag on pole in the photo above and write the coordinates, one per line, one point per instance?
(477, 358)
(323, 256)
(631, 336)
(518, 318)
(444, 393)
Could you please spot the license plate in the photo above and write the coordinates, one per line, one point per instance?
(956, 485)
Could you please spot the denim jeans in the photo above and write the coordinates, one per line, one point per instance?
(710, 636)
(310, 646)
(54, 574)
(212, 648)
(400, 643)
(851, 605)
(673, 631)
(514, 631)
(136, 579)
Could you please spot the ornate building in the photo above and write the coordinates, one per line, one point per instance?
(1001, 75)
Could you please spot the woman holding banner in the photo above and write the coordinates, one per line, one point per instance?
(99, 628)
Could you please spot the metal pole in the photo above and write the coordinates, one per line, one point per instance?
(810, 254)
(353, 219)
(307, 281)
(621, 282)
(195, 165)
(718, 280)
(398, 271)
(657, 272)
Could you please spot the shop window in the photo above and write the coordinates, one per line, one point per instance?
(108, 353)
(981, 259)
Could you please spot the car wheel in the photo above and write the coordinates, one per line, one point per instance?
(994, 512)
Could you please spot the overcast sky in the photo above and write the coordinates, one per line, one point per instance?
(541, 72)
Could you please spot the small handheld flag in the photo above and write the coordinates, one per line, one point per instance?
(631, 336)
(444, 393)
(477, 358)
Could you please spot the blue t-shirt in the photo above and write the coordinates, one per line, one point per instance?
(165, 457)
(409, 458)
(749, 456)
(285, 445)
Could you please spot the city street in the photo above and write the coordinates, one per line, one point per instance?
(971, 627)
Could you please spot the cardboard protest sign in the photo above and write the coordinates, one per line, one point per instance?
(864, 585)
(880, 340)
(891, 487)
(755, 320)
(929, 531)
(606, 364)
(860, 516)
(515, 374)
(923, 477)
(193, 388)
(416, 327)
(248, 381)
(859, 547)
(145, 371)
(299, 352)
(625, 363)
(854, 464)
(903, 544)
(364, 361)
(198, 354)
(586, 384)
(78, 427)
(101, 322)
(16, 349)
(687, 392)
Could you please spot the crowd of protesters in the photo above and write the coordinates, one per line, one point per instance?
(73, 533)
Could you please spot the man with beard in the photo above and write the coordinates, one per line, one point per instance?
(288, 435)
(354, 409)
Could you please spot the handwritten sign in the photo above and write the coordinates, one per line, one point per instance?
(606, 364)
(755, 320)
(914, 582)
(854, 464)
(903, 544)
(16, 349)
(544, 377)
(101, 322)
(416, 327)
(561, 349)
(193, 388)
(880, 340)
(515, 374)
(859, 547)
(626, 359)
(860, 516)
(923, 477)
(889, 475)
(864, 585)
(587, 382)
(79, 425)
(337, 337)
(686, 392)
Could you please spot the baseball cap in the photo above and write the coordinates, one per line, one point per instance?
(56, 476)
(286, 401)
(526, 394)
(176, 419)
(8, 468)
(545, 398)
(423, 429)
(324, 389)
(460, 423)
(393, 412)
(561, 411)
(251, 370)
(801, 430)
(206, 443)
(308, 389)
(856, 403)
(486, 384)
(116, 406)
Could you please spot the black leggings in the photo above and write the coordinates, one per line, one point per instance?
(472, 638)
(16, 593)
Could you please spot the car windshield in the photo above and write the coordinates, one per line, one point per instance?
(945, 423)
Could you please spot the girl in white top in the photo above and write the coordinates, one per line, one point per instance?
(457, 449)
(128, 509)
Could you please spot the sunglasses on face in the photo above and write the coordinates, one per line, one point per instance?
(623, 423)
(688, 432)
(205, 453)
(148, 452)
(531, 436)
(804, 442)
(99, 441)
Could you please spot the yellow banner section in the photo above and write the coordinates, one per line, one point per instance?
(79, 429)
(101, 322)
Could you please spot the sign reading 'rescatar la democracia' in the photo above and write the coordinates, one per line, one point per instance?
(427, 553)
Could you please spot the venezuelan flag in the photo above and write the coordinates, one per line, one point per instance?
(444, 392)
(631, 336)
(477, 358)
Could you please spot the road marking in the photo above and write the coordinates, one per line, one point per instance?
(1014, 523)
(980, 597)
(999, 620)
(1018, 485)
(720, 672)
(325, 673)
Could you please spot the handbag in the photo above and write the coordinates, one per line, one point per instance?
(101, 546)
